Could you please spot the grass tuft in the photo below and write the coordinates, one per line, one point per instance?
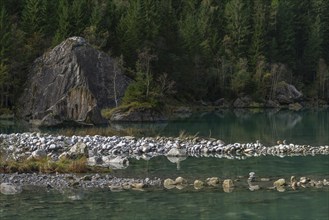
(48, 166)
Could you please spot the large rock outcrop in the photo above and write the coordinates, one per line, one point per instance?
(72, 82)
(286, 93)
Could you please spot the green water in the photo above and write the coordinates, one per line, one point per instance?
(307, 127)
(165, 204)
(268, 126)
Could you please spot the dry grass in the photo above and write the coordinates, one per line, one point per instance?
(47, 166)
(183, 135)
(103, 131)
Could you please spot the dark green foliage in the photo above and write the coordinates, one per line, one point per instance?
(144, 89)
(78, 16)
(33, 17)
(237, 13)
(63, 22)
(210, 48)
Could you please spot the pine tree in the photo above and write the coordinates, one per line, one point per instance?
(5, 46)
(33, 17)
(312, 52)
(237, 14)
(129, 32)
(150, 21)
(78, 16)
(63, 29)
(325, 30)
(272, 53)
(286, 36)
(259, 31)
(95, 33)
(33, 25)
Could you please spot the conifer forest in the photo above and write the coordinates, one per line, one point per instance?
(184, 49)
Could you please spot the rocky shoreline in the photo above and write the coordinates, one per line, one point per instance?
(115, 152)
(12, 184)
(102, 150)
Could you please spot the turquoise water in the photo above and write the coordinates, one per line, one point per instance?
(306, 127)
(165, 204)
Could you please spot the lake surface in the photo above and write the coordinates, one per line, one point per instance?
(306, 127)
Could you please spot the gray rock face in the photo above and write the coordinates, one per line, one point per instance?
(286, 93)
(242, 102)
(72, 82)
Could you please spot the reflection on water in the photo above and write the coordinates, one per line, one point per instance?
(201, 168)
(268, 126)
(306, 127)
(167, 204)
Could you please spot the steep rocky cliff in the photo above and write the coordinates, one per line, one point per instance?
(72, 82)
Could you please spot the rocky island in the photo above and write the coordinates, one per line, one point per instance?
(115, 152)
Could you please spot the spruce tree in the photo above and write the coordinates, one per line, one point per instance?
(237, 14)
(258, 31)
(129, 32)
(78, 15)
(312, 49)
(286, 35)
(324, 15)
(5, 46)
(33, 25)
(33, 17)
(95, 32)
(63, 22)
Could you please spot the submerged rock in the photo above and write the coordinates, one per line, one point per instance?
(227, 183)
(10, 189)
(279, 183)
(169, 183)
(176, 152)
(118, 162)
(213, 181)
(180, 181)
(72, 82)
(198, 184)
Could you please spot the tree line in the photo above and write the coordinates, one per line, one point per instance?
(190, 50)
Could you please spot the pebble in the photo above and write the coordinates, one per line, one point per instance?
(25, 143)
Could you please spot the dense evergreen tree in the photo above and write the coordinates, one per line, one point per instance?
(33, 25)
(96, 33)
(210, 48)
(285, 33)
(5, 44)
(79, 14)
(5, 47)
(324, 16)
(130, 31)
(63, 22)
(237, 13)
(258, 31)
(33, 17)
